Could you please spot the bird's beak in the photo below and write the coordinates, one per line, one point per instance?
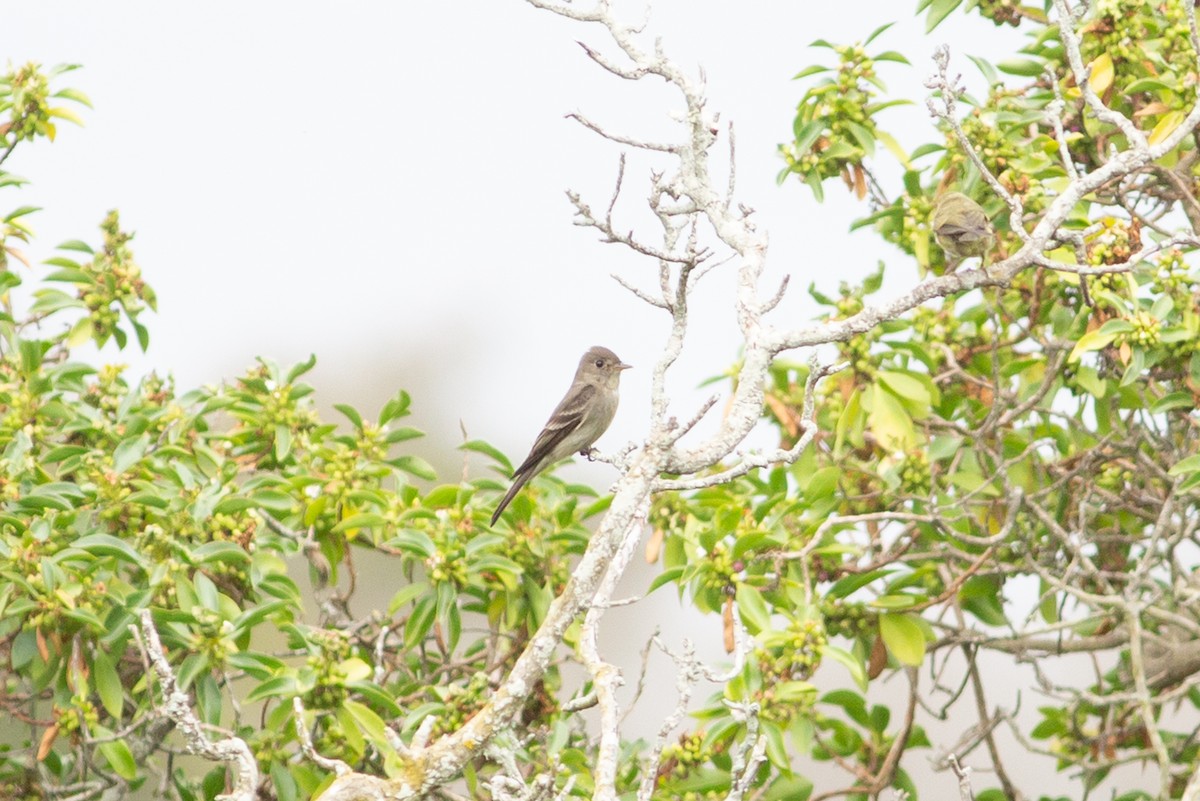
(623, 366)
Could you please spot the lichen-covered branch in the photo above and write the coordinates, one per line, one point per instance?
(177, 706)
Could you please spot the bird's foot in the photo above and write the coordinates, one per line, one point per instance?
(589, 454)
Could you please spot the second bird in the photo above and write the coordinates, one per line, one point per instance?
(578, 421)
(961, 228)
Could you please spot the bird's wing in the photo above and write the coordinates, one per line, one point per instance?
(563, 421)
(974, 228)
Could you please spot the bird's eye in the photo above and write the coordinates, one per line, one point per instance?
(599, 362)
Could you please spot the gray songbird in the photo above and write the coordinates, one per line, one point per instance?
(577, 422)
(961, 228)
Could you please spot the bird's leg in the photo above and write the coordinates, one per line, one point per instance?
(588, 453)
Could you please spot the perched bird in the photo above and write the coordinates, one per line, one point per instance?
(579, 419)
(961, 228)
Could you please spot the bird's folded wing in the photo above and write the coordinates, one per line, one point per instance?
(562, 423)
(960, 230)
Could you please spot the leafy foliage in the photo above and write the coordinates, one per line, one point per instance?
(1042, 430)
(1038, 434)
(119, 497)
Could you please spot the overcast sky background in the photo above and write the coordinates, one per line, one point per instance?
(383, 185)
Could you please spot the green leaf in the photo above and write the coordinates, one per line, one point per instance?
(1166, 126)
(847, 420)
(74, 94)
(813, 180)
(50, 301)
(875, 34)
(895, 601)
(220, 552)
(822, 483)
(777, 752)
(753, 609)
(906, 387)
(69, 271)
(1048, 606)
(206, 592)
(371, 724)
(938, 11)
(21, 211)
(891, 55)
(1021, 66)
(1150, 84)
(889, 421)
(83, 331)
(847, 585)
(1174, 400)
(38, 501)
(668, 576)
(283, 442)
(420, 622)
(1101, 74)
(987, 70)
(479, 446)
(120, 759)
(893, 147)
(854, 705)
(351, 414)
(1100, 338)
(394, 408)
(413, 541)
(788, 788)
(862, 136)
(806, 134)
(353, 669)
(301, 368)
(108, 685)
(903, 637)
(142, 333)
(367, 520)
(256, 665)
(376, 696)
(981, 597)
(858, 671)
(402, 434)
(944, 446)
(129, 452)
(1090, 381)
(416, 466)
(77, 245)
(406, 594)
(1191, 464)
(811, 70)
(278, 687)
(108, 545)
(283, 782)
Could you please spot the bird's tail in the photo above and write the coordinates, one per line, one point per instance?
(518, 481)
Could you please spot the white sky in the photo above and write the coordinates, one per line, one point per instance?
(383, 185)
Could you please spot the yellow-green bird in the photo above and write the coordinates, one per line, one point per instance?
(961, 228)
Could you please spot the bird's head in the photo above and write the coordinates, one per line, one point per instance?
(601, 366)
